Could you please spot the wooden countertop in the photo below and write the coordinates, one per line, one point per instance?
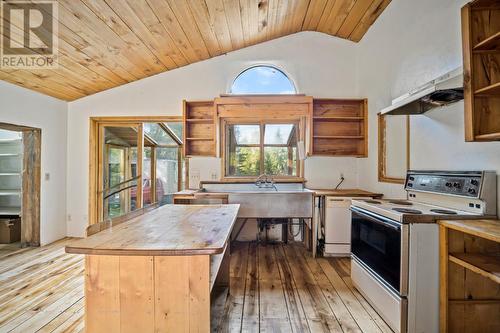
(345, 193)
(198, 194)
(171, 230)
(488, 229)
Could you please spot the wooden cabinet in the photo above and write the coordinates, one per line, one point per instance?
(481, 57)
(199, 123)
(469, 276)
(339, 127)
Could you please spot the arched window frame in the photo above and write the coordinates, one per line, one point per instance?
(287, 75)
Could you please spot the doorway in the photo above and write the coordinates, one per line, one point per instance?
(20, 155)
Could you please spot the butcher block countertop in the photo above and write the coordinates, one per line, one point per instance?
(171, 230)
(345, 193)
(488, 229)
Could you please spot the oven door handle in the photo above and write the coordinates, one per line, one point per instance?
(379, 220)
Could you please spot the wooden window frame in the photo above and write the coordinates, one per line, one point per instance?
(96, 135)
(382, 153)
(253, 121)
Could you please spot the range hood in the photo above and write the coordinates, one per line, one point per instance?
(444, 90)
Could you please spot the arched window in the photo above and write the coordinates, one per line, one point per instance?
(262, 79)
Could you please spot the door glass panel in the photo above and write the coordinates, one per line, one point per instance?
(120, 171)
(147, 186)
(167, 173)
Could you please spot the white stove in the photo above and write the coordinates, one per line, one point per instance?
(406, 211)
(395, 243)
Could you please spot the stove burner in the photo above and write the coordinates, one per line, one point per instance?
(400, 202)
(373, 202)
(407, 210)
(443, 211)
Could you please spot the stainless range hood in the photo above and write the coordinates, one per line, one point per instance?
(444, 90)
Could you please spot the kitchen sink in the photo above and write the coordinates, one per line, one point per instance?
(283, 200)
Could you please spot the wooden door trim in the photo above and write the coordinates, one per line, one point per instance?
(31, 182)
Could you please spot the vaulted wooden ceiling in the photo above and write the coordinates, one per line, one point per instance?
(107, 43)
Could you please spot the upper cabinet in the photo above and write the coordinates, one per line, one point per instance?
(339, 127)
(481, 57)
(199, 123)
(334, 127)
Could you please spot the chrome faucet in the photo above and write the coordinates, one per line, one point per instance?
(265, 181)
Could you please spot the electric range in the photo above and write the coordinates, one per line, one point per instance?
(395, 243)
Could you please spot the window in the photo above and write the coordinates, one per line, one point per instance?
(120, 165)
(262, 80)
(255, 148)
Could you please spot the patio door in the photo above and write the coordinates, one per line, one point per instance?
(120, 188)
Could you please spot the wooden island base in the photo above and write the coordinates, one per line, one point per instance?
(157, 292)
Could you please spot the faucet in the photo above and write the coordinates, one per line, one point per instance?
(265, 181)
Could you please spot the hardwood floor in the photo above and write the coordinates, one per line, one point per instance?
(274, 288)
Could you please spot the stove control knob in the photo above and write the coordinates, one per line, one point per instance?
(448, 184)
(471, 191)
(474, 182)
(411, 178)
(457, 185)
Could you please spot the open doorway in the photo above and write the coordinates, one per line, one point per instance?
(20, 153)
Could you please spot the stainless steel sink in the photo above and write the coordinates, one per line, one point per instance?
(284, 200)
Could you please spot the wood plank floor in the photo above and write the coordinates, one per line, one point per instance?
(274, 288)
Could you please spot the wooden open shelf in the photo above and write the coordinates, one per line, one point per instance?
(339, 127)
(489, 43)
(199, 125)
(355, 137)
(469, 275)
(485, 265)
(488, 137)
(332, 118)
(491, 90)
(481, 56)
(209, 120)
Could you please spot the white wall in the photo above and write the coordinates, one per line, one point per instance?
(320, 65)
(411, 43)
(20, 106)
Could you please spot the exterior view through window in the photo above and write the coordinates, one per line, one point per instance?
(262, 80)
(162, 166)
(256, 148)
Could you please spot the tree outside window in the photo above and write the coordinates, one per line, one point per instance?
(256, 148)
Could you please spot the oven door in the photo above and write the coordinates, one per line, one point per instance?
(381, 244)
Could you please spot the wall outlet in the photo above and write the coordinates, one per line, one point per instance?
(47, 176)
(213, 176)
(69, 217)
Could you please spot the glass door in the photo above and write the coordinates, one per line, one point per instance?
(121, 189)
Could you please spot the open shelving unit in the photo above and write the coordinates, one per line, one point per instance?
(469, 275)
(11, 164)
(481, 55)
(339, 127)
(199, 123)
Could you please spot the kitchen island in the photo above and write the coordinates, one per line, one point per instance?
(156, 272)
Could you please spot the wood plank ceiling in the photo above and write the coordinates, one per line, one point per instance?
(107, 43)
